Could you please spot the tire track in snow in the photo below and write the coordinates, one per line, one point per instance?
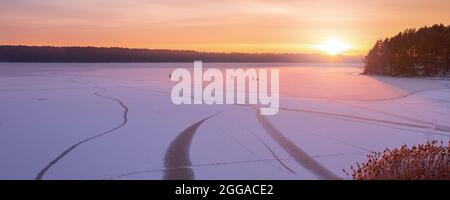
(436, 127)
(403, 96)
(430, 124)
(332, 139)
(407, 94)
(300, 156)
(41, 173)
(386, 126)
(177, 154)
(372, 121)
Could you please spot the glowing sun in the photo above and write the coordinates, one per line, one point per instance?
(333, 46)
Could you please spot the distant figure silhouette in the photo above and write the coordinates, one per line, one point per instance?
(170, 75)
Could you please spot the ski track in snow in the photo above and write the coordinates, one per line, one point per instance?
(276, 157)
(421, 125)
(41, 173)
(193, 165)
(50, 89)
(300, 156)
(243, 146)
(222, 163)
(408, 94)
(333, 139)
(177, 154)
(268, 148)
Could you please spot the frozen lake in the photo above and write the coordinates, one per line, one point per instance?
(116, 121)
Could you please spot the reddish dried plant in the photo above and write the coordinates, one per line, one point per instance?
(421, 162)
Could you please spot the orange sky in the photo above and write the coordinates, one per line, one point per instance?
(209, 25)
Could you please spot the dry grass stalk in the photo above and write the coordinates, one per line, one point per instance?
(420, 162)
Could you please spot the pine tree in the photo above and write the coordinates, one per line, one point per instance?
(422, 52)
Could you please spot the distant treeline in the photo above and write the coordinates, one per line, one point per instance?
(114, 54)
(422, 52)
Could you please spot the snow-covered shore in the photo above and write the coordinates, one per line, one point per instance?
(116, 121)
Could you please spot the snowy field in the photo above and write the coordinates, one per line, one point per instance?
(116, 121)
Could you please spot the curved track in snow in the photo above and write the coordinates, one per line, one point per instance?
(43, 171)
(300, 156)
(177, 154)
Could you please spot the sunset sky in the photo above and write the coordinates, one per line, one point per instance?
(208, 25)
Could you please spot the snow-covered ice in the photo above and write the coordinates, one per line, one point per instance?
(116, 121)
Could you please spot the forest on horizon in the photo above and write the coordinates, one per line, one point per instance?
(10, 53)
